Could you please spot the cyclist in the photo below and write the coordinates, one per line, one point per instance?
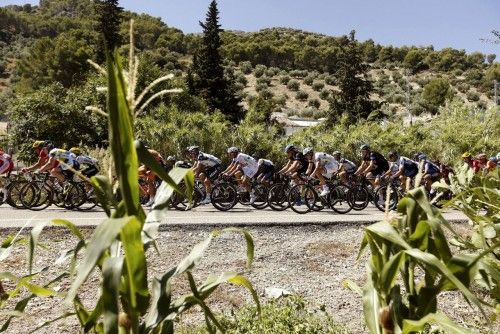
(479, 163)
(265, 171)
(324, 166)
(170, 163)
(6, 163)
(244, 167)
(431, 172)
(42, 149)
(61, 165)
(206, 167)
(374, 165)
(149, 176)
(404, 168)
(493, 163)
(467, 158)
(297, 164)
(90, 163)
(347, 167)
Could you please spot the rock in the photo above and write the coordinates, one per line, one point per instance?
(276, 292)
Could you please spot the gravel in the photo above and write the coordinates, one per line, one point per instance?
(310, 260)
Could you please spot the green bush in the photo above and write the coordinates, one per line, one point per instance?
(266, 94)
(301, 95)
(272, 71)
(315, 103)
(309, 80)
(293, 85)
(264, 80)
(472, 96)
(330, 80)
(281, 100)
(324, 94)
(299, 74)
(285, 315)
(246, 67)
(261, 86)
(241, 78)
(284, 79)
(259, 70)
(318, 85)
(308, 112)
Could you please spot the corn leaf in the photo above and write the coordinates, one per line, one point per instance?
(443, 322)
(34, 235)
(111, 272)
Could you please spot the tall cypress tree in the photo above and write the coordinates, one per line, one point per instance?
(109, 19)
(208, 80)
(353, 98)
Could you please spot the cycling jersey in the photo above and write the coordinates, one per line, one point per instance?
(68, 158)
(248, 164)
(304, 163)
(410, 166)
(430, 168)
(86, 160)
(266, 168)
(381, 164)
(6, 163)
(265, 163)
(328, 162)
(349, 166)
(208, 160)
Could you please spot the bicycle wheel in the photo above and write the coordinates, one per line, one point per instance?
(338, 199)
(277, 197)
(381, 198)
(261, 192)
(36, 196)
(359, 197)
(302, 198)
(14, 194)
(224, 196)
(74, 196)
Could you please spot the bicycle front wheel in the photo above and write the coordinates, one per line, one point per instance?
(302, 198)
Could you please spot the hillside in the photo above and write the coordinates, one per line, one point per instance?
(292, 68)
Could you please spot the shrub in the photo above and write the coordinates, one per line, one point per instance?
(261, 86)
(309, 80)
(324, 94)
(317, 86)
(259, 70)
(272, 71)
(266, 94)
(308, 112)
(330, 80)
(278, 316)
(301, 95)
(472, 96)
(463, 87)
(281, 100)
(293, 85)
(264, 80)
(284, 79)
(299, 74)
(246, 67)
(315, 103)
(241, 78)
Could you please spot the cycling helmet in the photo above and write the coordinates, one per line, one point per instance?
(482, 156)
(233, 149)
(466, 155)
(364, 147)
(193, 148)
(421, 156)
(38, 144)
(289, 148)
(416, 155)
(336, 153)
(171, 158)
(75, 150)
(307, 150)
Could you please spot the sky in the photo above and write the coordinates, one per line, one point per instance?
(443, 23)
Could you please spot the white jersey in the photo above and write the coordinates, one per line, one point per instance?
(265, 162)
(64, 156)
(349, 166)
(325, 159)
(208, 160)
(86, 160)
(248, 164)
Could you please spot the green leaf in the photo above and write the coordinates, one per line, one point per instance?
(390, 271)
(101, 240)
(104, 193)
(34, 235)
(122, 136)
(371, 306)
(387, 232)
(448, 326)
(165, 191)
(242, 281)
(248, 239)
(70, 226)
(111, 274)
(135, 265)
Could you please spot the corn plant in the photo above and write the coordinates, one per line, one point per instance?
(117, 248)
(411, 264)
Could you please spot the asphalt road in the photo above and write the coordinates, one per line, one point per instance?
(205, 215)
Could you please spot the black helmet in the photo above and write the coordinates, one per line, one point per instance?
(364, 147)
(290, 147)
(393, 154)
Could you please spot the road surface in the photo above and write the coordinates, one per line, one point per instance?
(205, 215)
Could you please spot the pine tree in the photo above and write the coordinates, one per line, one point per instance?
(207, 78)
(355, 88)
(109, 18)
